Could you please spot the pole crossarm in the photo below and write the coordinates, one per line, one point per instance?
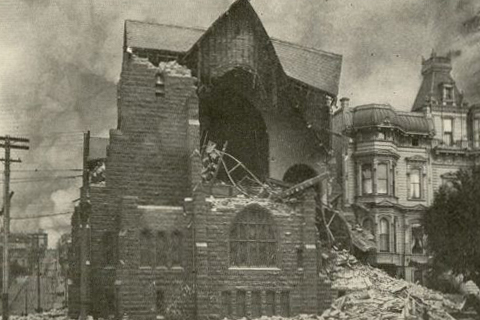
(13, 146)
(14, 139)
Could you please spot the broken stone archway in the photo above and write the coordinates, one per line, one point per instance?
(228, 113)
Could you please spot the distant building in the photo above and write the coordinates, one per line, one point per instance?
(164, 243)
(391, 162)
(22, 248)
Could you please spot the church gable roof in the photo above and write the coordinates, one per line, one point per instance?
(313, 67)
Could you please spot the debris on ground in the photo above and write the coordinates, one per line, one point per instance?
(57, 314)
(370, 293)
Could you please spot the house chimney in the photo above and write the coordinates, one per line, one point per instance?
(344, 103)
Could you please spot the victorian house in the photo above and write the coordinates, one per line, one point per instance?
(391, 162)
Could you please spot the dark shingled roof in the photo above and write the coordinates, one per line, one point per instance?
(316, 68)
(381, 115)
(313, 67)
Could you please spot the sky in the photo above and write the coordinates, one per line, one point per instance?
(60, 62)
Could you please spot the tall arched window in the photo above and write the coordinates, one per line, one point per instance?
(252, 239)
(384, 235)
(147, 245)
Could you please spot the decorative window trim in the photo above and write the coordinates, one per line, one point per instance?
(452, 142)
(445, 88)
(363, 180)
(374, 164)
(386, 235)
(422, 175)
(387, 179)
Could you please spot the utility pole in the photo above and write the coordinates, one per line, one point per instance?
(8, 144)
(39, 293)
(84, 217)
(39, 244)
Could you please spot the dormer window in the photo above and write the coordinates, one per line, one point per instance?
(415, 142)
(448, 93)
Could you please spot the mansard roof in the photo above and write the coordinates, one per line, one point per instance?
(314, 67)
(383, 115)
(436, 75)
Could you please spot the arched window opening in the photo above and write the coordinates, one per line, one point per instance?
(147, 245)
(229, 116)
(417, 244)
(299, 173)
(161, 249)
(384, 235)
(177, 248)
(252, 239)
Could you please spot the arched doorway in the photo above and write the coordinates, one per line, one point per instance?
(228, 116)
(299, 173)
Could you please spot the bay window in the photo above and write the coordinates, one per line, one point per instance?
(367, 179)
(382, 178)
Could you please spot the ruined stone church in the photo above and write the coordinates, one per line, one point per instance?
(165, 244)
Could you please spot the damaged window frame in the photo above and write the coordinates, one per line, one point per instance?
(252, 234)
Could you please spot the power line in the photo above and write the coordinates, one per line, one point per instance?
(15, 181)
(46, 170)
(44, 178)
(42, 216)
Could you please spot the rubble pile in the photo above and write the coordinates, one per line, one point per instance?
(175, 69)
(57, 314)
(370, 293)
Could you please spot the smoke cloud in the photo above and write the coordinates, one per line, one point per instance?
(61, 61)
